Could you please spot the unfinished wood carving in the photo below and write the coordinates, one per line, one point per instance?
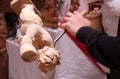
(36, 43)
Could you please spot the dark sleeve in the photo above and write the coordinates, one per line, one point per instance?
(103, 48)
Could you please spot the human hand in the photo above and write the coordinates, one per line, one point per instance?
(75, 21)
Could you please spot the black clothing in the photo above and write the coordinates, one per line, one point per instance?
(118, 32)
(103, 48)
(115, 74)
(11, 19)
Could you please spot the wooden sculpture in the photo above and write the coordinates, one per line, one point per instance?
(36, 43)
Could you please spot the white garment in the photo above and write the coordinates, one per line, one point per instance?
(110, 16)
(19, 32)
(114, 6)
(74, 63)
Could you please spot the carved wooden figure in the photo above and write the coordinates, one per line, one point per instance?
(36, 43)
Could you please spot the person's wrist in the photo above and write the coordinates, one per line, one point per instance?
(76, 30)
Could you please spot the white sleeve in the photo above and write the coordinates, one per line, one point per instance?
(114, 6)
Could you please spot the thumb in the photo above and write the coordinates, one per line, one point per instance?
(84, 12)
(64, 25)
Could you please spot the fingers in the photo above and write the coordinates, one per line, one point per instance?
(66, 18)
(84, 12)
(76, 13)
(69, 14)
(64, 25)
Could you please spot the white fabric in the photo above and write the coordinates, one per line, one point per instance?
(18, 32)
(74, 64)
(109, 21)
(110, 18)
(114, 6)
